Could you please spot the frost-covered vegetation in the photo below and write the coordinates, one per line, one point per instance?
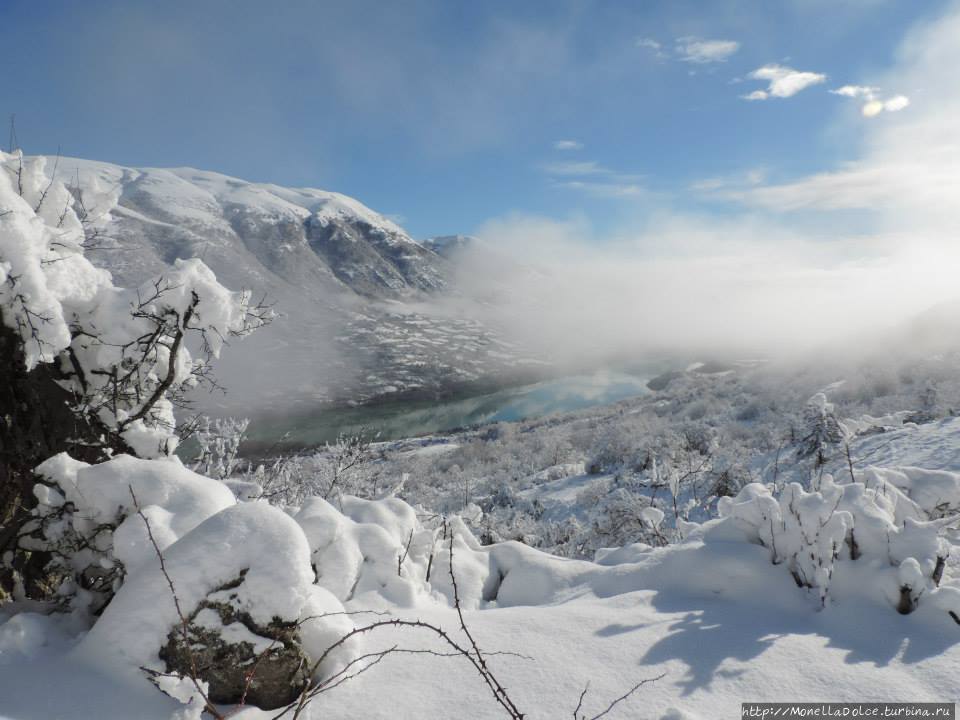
(637, 471)
(729, 514)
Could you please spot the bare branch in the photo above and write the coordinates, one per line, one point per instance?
(184, 622)
(53, 177)
(614, 702)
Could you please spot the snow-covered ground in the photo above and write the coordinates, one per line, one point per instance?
(722, 623)
(712, 614)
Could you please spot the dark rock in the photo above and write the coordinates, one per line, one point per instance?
(236, 671)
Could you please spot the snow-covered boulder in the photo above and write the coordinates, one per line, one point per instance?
(245, 604)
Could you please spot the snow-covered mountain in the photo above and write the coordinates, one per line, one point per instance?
(312, 239)
(361, 304)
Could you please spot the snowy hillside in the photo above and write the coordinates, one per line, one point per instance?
(303, 236)
(360, 304)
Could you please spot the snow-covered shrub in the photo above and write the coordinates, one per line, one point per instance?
(43, 273)
(814, 533)
(218, 446)
(86, 518)
(130, 361)
(122, 352)
(342, 467)
(929, 407)
(935, 492)
(821, 432)
(804, 530)
(380, 547)
(612, 447)
(623, 517)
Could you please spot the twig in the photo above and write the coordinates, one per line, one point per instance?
(615, 702)
(184, 622)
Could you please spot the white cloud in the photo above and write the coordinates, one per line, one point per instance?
(568, 145)
(783, 81)
(749, 178)
(730, 277)
(856, 91)
(874, 104)
(907, 174)
(896, 103)
(697, 50)
(692, 49)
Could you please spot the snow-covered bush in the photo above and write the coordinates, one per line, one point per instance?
(123, 353)
(821, 432)
(218, 445)
(814, 534)
(804, 530)
(132, 360)
(86, 518)
(94, 369)
(341, 467)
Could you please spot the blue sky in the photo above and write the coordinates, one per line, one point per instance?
(447, 114)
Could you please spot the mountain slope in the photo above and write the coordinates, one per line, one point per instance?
(361, 305)
(304, 236)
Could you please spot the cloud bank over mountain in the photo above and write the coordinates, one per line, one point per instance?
(768, 266)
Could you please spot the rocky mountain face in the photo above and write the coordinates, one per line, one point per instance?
(450, 246)
(362, 311)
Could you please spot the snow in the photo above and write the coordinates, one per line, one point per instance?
(723, 623)
(359, 550)
(431, 450)
(254, 541)
(57, 300)
(935, 446)
(23, 636)
(42, 269)
(936, 492)
(197, 196)
(174, 499)
(233, 633)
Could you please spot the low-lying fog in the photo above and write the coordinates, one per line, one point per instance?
(861, 260)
